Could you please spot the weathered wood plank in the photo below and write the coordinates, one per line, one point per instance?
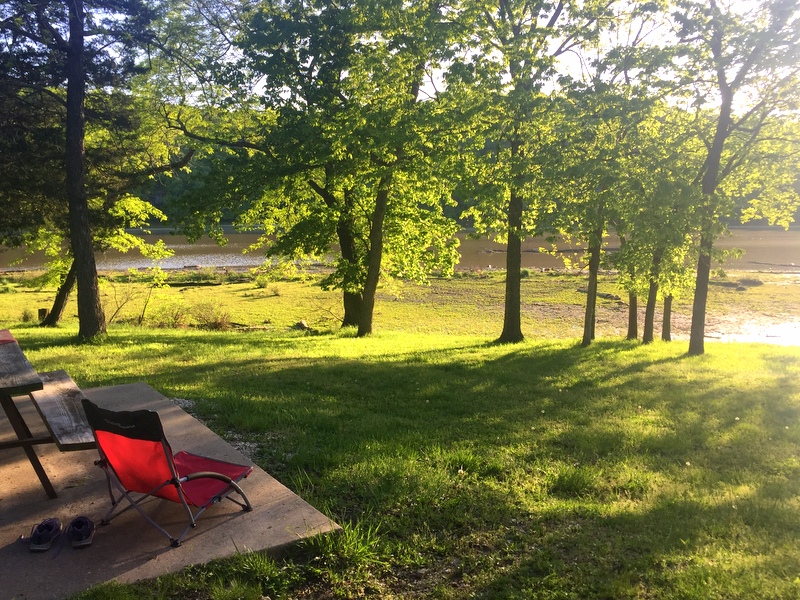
(59, 404)
(17, 375)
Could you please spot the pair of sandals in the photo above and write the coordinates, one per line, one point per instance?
(80, 533)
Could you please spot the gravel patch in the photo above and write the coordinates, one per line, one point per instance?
(235, 439)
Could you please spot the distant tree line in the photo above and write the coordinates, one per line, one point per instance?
(377, 127)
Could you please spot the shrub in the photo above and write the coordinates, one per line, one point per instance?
(262, 280)
(211, 316)
(169, 315)
(202, 275)
(281, 270)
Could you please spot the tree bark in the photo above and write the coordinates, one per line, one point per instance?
(61, 299)
(591, 293)
(633, 316)
(91, 319)
(633, 301)
(375, 256)
(512, 319)
(666, 322)
(353, 301)
(697, 333)
(650, 313)
(353, 306)
(652, 298)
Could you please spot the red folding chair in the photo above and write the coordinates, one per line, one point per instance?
(138, 461)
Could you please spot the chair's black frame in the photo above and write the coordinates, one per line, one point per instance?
(145, 425)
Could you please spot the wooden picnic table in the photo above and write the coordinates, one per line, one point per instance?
(55, 396)
(18, 377)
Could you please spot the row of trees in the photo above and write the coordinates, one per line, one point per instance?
(356, 124)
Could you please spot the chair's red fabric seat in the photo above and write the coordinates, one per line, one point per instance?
(200, 491)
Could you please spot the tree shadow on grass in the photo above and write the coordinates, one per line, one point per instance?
(540, 470)
(674, 549)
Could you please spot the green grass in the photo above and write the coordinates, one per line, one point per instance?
(471, 304)
(463, 469)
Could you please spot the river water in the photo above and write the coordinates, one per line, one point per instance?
(765, 249)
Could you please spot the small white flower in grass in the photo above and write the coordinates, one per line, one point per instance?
(787, 427)
(688, 464)
(736, 419)
(542, 412)
(461, 470)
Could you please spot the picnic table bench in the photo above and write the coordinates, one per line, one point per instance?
(59, 405)
(56, 397)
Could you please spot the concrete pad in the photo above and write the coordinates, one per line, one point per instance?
(129, 548)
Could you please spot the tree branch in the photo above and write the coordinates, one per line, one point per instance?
(45, 25)
(173, 166)
(556, 14)
(21, 85)
(737, 158)
(178, 125)
(327, 197)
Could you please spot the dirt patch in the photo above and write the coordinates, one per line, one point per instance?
(742, 325)
(751, 328)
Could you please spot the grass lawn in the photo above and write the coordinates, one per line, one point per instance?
(463, 469)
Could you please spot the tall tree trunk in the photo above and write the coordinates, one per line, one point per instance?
(92, 322)
(652, 298)
(591, 293)
(375, 256)
(512, 319)
(666, 322)
(353, 301)
(353, 304)
(633, 316)
(697, 332)
(61, 299)
(709, 183)
(633, 300)
(650, 313)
